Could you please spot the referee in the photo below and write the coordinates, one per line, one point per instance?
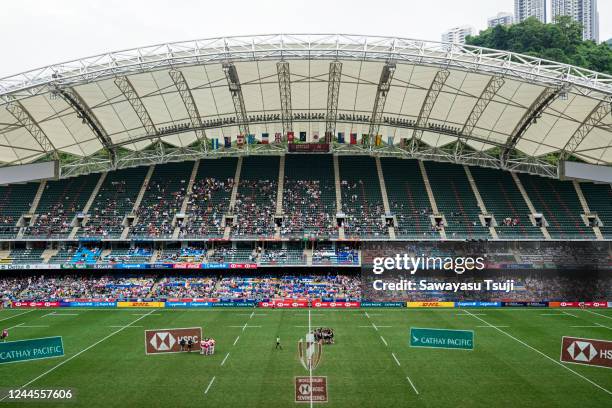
(278, 344)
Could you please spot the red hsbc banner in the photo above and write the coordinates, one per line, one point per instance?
(161, 341)
(309, 147)
(336, 305)
(601, 304)
(586, 351)
(287, 304)
(26, 305)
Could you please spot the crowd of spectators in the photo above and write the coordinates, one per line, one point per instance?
(156, 212)
(255, 208)
(208, 202)
(307, 212)
(364, 217)
(106, 217)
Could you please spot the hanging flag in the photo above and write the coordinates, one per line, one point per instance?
(328, 137)
(353, 138)
(215, 144)
(278, 137)
(228, 141)
(365, 139)
(315, 136)
(251, 139)
(378, 140)
(340, 137)
(302, 136)
(265, 138)
(290, 136)
(240, 140)
(390, 140)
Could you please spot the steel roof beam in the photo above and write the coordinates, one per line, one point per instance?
(384, 85)
(21, 114)
(127, 89)
(231, 74)
(487, 95)
(333, 92)
(533, 113)
(284, 90)
(595, 118)
(430, 101)
(192, 109)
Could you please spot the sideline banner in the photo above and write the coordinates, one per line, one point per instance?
(156, 305)
(335, 305)
(286, 304)
(383, 304)
(478, 304)
(524, 304)
(430, 304)
(32, 349)
(602, 304)
(33, 305)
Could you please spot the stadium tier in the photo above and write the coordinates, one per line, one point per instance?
(180, 202)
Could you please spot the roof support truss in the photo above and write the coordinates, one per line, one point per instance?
(284, 90)
(384, 84)
(237, 98)
(596, 116)
(24, 118)
(430, 100)
(487, 95)
(333, 92)
(84, 112)
(533, 113)
(192, 109)
(127, 89)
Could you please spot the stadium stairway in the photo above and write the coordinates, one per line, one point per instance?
(558, 202)
(183, 210)
(279, 193)
(33, 207)
(521, 188)
(228, 229)
(586, 209)
(383, 191)
(599, 197)
(430, 195)
(89, 202)
(481, 204)
(338, 193)
(141, 193)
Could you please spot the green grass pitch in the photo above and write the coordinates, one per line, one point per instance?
(513, 364)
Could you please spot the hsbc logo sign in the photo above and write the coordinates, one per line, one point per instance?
(163, 341)
(586, 351)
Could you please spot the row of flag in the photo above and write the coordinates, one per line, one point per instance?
(291, 138)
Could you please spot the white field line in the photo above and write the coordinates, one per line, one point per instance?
(413, 387)
(226, 356)
(383, 340)
(546, 356)
(596, 326)
(309, 359)
(61, 363)
(236, 341)
(16, 315)
(146, 314)
(131, 327)
(552, 314)
(17, 325)
(60, 314)
(375, 326)
(569, 314)
(598, 314)
(474, 314)
(210, 384)
(396, 360)
(246, 326)
(494, 327)
(22, 326)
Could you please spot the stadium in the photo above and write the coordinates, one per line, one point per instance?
(246, 187)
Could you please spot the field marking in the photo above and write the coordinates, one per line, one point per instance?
(545, 355)
(210, 384)
(226, 356)
(384, 341)
(246, 326)
(21, 326)
(61, 363)
(373, 325)
(122, 326)
(598, 314)
(236, 341)
(596, 326)
(569, 314)
(17, 325)
(413, 387)
(59, 314)
(146, 314)
(396, 360)
(553, 314)
(475, 314)
(494, 327)
(251, 315)
(13, 316)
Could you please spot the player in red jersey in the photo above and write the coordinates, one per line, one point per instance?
(4, 335)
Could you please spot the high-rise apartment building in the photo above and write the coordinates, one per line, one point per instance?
(523, 9)
(583, 11)
(505, 19)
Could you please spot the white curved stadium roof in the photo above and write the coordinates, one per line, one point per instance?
(431, 92)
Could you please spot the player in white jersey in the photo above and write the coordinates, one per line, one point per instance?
(211, 348)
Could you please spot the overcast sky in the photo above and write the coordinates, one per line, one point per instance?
(35, 33)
